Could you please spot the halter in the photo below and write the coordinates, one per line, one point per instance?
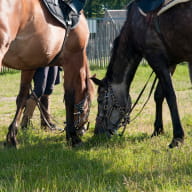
(126, 114)
(114, 105)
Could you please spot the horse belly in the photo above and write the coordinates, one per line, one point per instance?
(38, 41)
(32, 52)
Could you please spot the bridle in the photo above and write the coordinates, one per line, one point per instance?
(123, 110)
(124, 120)
(79, 111)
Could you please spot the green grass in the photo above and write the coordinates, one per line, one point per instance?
(44, 162)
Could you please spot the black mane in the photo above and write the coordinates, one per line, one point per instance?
(109, 74)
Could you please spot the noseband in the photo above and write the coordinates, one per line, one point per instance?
(80, 110)
(115, 104)
(109, 108)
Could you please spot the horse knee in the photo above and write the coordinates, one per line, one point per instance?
(69, 97)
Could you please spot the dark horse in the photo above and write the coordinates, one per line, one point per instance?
(163, 41)
(30, 38)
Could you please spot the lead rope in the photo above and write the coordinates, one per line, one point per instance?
(41, 107)
(138, 98)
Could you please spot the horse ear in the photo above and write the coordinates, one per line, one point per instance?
(96, 81)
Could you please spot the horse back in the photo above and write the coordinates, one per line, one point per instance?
(169, 33)
(175, 26)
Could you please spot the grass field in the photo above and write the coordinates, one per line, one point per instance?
(44, 162)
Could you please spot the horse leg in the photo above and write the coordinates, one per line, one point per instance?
(69, 98)
(159, 98)
(26, 77)
(74, 87)
(159, 64)
(70, 128)
(190, 70)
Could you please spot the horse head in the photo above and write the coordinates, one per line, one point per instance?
(113, 109)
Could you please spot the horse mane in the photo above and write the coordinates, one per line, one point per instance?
(116, 43)
(109, 73)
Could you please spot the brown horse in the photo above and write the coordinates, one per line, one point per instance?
(163, 41)
(30, 38)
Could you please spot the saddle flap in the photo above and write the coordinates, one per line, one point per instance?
(61, 11)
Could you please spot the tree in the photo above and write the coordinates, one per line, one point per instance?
(96, 8)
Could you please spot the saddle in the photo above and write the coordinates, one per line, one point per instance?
(65, 11)
(158, 6)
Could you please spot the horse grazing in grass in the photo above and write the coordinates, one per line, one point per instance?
(164, 41)
(30, 37)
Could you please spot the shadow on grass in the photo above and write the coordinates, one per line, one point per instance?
(103, 141)
(38, 137)
(46, 161)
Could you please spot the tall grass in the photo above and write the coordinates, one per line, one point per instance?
(135, 162)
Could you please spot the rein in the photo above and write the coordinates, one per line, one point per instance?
(139, 96)
(125, 115)
(79, 107)
(41, 107)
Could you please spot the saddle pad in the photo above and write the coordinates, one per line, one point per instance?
(170, 3)
(60, 10)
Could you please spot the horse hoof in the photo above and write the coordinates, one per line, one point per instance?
(157, 133)
(11, 141)
(76, 142)
(176, 142)
(10, 144)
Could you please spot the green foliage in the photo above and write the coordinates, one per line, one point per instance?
(96, 8)
(135, 162)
